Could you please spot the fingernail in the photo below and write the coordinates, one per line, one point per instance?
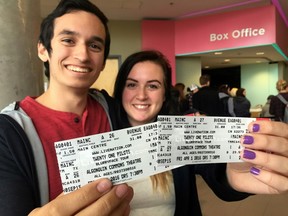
(254, 171)
(104, 185)
(121, 190)
(249, 154)
(256, 127)
(248, 139)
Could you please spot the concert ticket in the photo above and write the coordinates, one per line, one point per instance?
(146, 150)
(198, 139)
(121, 156)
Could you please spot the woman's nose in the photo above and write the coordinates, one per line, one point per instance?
(141, 93)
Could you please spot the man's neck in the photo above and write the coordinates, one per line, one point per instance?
(64, 101)
(205, 85)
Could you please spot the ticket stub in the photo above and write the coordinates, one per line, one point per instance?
(121, 156)
(199, 139)
(137, 152)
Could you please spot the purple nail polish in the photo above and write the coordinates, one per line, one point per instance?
(249, 154)
(248, 139)
(256, 127)
(254, 171)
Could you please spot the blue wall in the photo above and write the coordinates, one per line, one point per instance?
(259, 80)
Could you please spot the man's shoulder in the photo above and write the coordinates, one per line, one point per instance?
(16, 112)
(11, 107)
(285, 95)
(210, 92)
(100, 94)
(11, 128)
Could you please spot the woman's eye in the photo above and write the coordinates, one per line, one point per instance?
(153, 86)
(130, 85)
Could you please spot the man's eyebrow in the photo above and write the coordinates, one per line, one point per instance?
(99, 39)
(69, 32)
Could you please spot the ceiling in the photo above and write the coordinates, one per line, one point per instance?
(179, 9)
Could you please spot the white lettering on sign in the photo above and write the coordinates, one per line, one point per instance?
(248, 32)
(236, 34)
(218, 37)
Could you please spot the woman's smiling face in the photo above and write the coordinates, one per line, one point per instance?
(144, 93)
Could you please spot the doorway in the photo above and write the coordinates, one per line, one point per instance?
(219, 76)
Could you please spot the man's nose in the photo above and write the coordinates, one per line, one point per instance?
(82, 53)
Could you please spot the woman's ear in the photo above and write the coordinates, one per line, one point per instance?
(42, 52)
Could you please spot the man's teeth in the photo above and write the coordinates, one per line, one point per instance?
(78, 69)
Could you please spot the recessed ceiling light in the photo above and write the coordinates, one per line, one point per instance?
(260, 53)
(207, 66)
(227, 60)
(218, 53)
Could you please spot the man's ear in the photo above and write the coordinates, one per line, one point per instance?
(42, 52)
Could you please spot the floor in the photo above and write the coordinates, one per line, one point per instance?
(257, 205)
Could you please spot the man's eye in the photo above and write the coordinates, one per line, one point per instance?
(67, 40)
(96, 47)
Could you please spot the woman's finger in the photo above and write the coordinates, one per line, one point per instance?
(267, 143)
(269, 127)
(273, 183)
(274, 163)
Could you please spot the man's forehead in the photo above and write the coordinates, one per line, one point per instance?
(77, 22)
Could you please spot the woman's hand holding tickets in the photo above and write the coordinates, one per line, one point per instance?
(265, 153)
(98, 198)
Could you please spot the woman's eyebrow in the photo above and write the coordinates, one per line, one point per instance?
(131, 79)
(154, 81)
(149, 81)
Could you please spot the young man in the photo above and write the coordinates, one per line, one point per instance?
(206, 100)
(73, 44)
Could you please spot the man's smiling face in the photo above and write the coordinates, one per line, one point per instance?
(77, 55)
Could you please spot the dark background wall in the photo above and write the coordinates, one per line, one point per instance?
(219, 76)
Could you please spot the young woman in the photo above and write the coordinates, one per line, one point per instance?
(277, 107)
(142, 91)
(241, 104)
